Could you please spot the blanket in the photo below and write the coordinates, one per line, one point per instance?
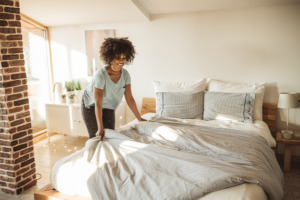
(167, 159)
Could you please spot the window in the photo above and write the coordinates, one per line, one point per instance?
(36, 56)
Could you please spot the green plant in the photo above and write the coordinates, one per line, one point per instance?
(77, 86)
(63, 96)
(72, 96)
(70, 86)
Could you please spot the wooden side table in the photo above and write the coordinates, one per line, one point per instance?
(287, 149)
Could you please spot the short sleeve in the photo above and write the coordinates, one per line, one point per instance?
(127, 78)
(99, 81)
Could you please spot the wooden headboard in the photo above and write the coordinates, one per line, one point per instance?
(269, 112)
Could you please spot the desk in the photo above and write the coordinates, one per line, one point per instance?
(287, 149)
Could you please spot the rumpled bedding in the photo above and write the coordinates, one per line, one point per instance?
(168, 159)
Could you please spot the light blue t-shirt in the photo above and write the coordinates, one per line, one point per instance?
(112, 92)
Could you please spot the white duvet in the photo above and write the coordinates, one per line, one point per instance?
(162, 163)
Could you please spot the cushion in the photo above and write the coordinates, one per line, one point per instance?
(183, 105)
(229, 106)
(230, 87)
(179, 86)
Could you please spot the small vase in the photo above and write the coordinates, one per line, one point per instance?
(63, 100)
(71, 101)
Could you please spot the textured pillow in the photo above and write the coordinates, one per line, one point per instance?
(228, 106)
(183, 105)
(179, 86)
(230, 87)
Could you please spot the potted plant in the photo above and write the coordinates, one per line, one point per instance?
(71, 98)
(70, 87)
(63, 98)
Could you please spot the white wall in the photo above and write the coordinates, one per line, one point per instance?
(241, 45)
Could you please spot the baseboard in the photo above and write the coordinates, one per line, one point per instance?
(41, 135)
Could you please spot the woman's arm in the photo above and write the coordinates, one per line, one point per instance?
(131, 103)
(98, 96)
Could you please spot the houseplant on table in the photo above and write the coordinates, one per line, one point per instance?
(71, 98)
(70, 87)
(63, 98)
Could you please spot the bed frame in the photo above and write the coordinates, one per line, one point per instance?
(148, 106)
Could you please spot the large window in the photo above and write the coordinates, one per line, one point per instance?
(37, 68)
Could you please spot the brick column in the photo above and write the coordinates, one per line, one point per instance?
(17, 165)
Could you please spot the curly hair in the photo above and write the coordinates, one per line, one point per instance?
(113, 47)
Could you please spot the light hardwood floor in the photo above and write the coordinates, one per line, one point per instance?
(60, 146)
(45, 157)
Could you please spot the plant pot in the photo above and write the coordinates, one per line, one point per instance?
(63, 100)
(70, 101)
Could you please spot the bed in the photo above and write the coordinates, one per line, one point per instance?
(176, 156)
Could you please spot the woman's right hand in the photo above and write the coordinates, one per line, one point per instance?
(100, 133)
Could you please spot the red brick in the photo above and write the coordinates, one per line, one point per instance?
(12, 83)
(9, 44)
(6, 2)
(21, 159)
(26, 139)
(10, 57)
(16, 62)
(19, 135)
(8, 191)
(15, 110)
(28, 162)
(17, 122)
(14, 37)
(14, 96)
(4, 64)
(6, 16)
(23, 114)
(23, 152)
(12, 10)
(30, 172)
(8, 91)
(14, 23)
(24, 127)
(3, 51)
(11, 69)
(18, 76)
(3, 23)
(15, 50)
(29, 185)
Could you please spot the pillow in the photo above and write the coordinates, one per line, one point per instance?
(179, 86)
(229, 106)
(230, 87)
(183, 105)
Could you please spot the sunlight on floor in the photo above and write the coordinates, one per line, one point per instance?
(46, 155)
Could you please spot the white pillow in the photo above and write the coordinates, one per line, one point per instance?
(229, 106)
(183, 105)
(179, 86)
(231, 87)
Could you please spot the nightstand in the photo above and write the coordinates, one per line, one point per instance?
(287, 149)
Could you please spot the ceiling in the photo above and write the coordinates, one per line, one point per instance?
(82, 12)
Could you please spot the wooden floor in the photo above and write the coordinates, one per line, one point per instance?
(45, 157)
(47, 154)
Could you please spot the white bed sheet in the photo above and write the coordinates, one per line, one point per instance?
(243, 191)
(258, 127)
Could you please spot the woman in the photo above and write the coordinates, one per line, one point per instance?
(110, 83)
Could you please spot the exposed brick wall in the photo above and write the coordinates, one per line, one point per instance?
(17, 165)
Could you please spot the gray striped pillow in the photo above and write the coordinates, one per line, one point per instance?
(183, 105)
(229, 106)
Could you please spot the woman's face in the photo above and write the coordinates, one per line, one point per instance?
(118, 62)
